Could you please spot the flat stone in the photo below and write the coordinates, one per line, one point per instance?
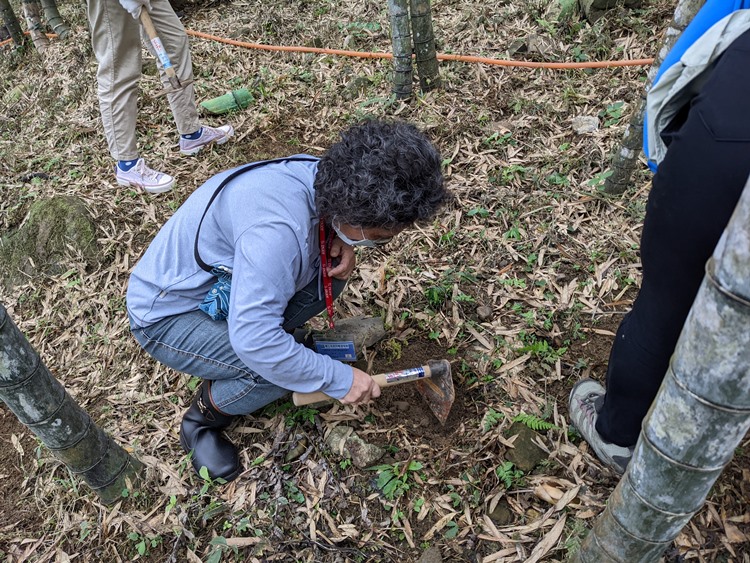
(431, 555)
(583, 124)
(525, 454)
(345, 442)
(502, 515)
(484, 312)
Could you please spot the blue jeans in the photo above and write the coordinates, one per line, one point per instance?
(195, 344)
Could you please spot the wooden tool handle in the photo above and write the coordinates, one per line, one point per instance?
(382, 379)
(161, 53)
(148, 24)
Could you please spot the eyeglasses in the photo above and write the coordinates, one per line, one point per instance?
(364, 241)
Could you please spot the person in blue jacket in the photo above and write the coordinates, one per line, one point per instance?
(700, 128)
(274, 226)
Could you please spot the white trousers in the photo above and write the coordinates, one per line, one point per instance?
(116, 39)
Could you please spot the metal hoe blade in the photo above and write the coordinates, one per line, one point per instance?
(437, 389)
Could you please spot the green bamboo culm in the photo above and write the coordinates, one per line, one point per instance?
(54, 20)
(42, 404)
(424, 45)
(32, 11)
(622, 162)
(11, 22)
(402, 48)
(700, 415)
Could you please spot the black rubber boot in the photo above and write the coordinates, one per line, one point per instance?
(202, 432)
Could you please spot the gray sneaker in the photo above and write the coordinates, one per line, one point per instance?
(209, 135)
(586, 400)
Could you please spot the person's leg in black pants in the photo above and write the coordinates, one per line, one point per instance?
(694, 192)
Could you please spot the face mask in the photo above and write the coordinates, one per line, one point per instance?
(361, 242)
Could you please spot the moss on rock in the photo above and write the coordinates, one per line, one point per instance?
(53, 229)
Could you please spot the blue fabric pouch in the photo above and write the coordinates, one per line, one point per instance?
(216, 302)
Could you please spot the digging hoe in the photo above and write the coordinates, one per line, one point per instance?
(433, 381)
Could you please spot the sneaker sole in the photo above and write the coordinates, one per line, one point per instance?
(154, 190)
(199, 149)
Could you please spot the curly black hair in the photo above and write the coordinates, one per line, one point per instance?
(380, 174)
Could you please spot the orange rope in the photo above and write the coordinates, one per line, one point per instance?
(440, 56)
(49, 35)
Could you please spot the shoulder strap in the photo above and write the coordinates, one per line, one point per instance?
(223, 183)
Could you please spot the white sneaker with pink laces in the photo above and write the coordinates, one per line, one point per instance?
(209, 135)
(141, 176)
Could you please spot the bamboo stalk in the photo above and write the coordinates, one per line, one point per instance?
(32, 12)
(424, 45)
(11, 22)
(402, 48)
(623, 160)
(700, 415)
(42, 404)
(54, 20)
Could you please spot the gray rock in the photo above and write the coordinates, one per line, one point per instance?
(525, 454)
(583, 124)
(502, 515)
(345, 442)
(484, 312)
(431, 555)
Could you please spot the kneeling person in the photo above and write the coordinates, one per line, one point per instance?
(265, 225)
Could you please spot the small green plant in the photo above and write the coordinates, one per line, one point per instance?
(451, 530)
(514, 233)
(436, 295)
(598, 180)
(345, 463)
(540, 348)
(220, 546)
(446, 239)
(464, 298)
(612, 114)
(208, 483)
(575, 537)
(144, 543)
(499, 139)
(293, 492)
(479, 212)
(534, 422)
(171, 504)
(558, 179)
(393, 349)
(300, 415)
(394, 480)
(513, 282)
(85, 530)
(512, 172)
(508, 474)
(491, 419)
(418, 504)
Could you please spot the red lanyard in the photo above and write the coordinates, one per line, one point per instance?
(325, 265)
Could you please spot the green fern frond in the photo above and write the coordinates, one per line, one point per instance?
(534, 422)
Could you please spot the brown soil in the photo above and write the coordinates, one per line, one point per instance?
(17, 504)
